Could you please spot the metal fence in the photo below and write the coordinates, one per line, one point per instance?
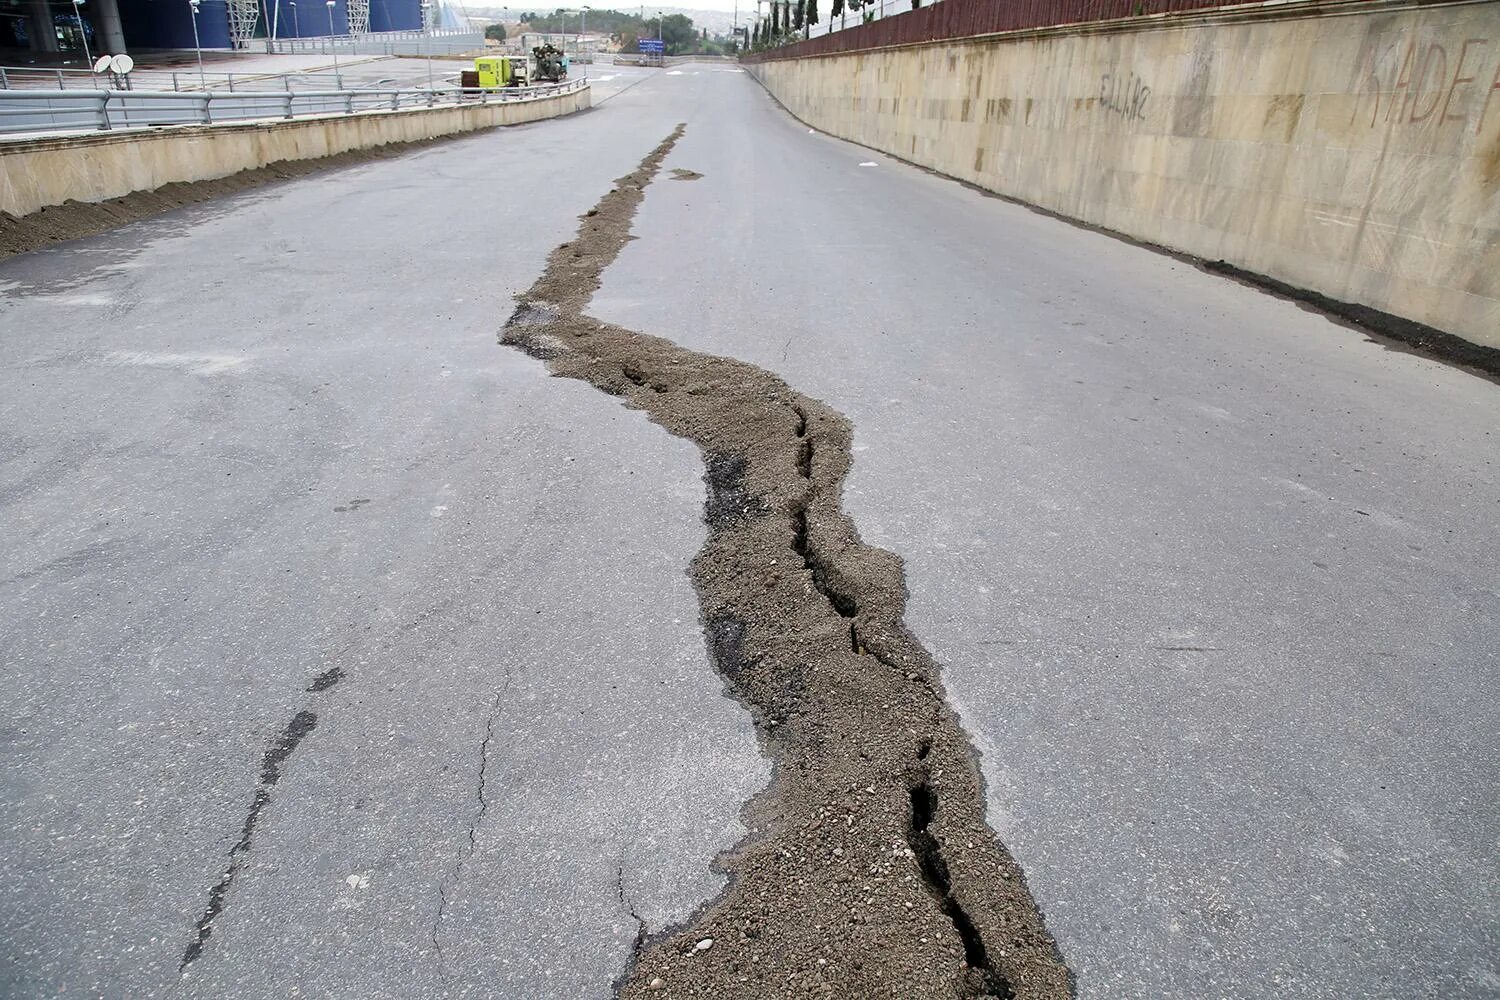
(966, 18)
(386, 43)
(29, 78)
(52, 111)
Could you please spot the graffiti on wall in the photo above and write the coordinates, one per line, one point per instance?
(1410, 81)
(1126, 95)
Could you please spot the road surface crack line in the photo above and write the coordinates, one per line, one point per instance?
(276, 756)
(640, 922)
(869, 869)
(466, 849)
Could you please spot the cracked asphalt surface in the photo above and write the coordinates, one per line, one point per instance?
(253, 440)
(1211, 579)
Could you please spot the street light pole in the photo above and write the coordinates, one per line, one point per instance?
(296, 26)
(202, 81)
(427, 23)
(83, 36)
(578, 48)
(333, 44)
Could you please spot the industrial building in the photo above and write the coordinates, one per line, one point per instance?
(52, 30)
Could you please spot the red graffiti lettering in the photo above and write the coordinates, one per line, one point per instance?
(1458, 79)
(1432, 50)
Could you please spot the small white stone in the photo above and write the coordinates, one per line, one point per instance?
(704, 945)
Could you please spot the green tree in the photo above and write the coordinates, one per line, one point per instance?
(812, 15)
(678, 34)
(495, 31)
(837, 10)
(797, 14)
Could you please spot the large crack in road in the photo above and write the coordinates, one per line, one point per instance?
(869, 869)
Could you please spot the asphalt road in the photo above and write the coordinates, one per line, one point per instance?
(1213, 579)
(249, 443)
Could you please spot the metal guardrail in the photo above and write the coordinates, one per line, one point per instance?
(53, 111)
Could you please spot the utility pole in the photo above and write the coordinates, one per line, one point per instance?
(83, 36)
(334, 45)
(427, 44)
(202, 81)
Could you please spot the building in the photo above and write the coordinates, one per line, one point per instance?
(52, 28)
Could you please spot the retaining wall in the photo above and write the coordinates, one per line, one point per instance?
(1352, 149)
(36, 173)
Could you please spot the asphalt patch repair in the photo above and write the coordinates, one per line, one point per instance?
(869, 869)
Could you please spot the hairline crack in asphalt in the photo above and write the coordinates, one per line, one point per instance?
(869, 868)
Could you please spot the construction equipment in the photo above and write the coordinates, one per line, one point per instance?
(496, 72)
(551, 62)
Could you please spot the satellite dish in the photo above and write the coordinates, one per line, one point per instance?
(122, 64)
(102, 63)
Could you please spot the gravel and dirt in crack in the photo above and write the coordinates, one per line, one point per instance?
(869, 870)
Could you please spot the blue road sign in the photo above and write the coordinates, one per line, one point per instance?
(651, 45)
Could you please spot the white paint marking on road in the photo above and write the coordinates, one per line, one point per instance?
(81, 300)
(198, 364)
(606, 78)
(868, 163)
(674, 72)
(440, 510)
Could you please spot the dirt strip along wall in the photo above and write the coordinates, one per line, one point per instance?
(1350, 149)
(37, 173)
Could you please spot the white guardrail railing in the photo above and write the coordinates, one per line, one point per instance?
(52, 111)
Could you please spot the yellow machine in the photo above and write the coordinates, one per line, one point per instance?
(494, 72)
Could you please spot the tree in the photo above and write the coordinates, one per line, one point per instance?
(797, 14)
(812, 15)
(837, 10)
(495, 31)
(678, 34)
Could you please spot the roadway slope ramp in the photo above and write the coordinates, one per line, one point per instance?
(859, 585)
(1210, 576)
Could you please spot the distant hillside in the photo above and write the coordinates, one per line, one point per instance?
(718, 22)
